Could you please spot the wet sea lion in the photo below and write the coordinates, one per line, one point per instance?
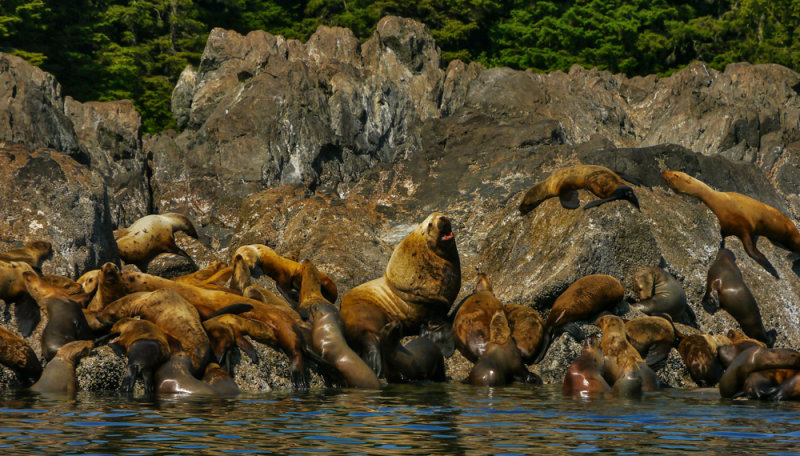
(659, 293)
(755, 359)
(584, 377)
(565, 182)
(419, 285)
(652, 337)
(762, 384)
(151, 235)
(32, 253)
(219, 379)
(585, 298)
(110, 287)
(420, 359)
(472, 320)
(175, 377)
(225, 331)
(59, 373)
(13, 291)
(739, 343)
(501, 363)
(147, 348)
(789, 390)
(622, 360)
(699, 353)
(741, 216)
(527, 329)
(16, 354)
(725, 288)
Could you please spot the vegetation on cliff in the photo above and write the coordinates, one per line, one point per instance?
(112, 49)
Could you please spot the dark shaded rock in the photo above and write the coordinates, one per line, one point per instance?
(170, 265)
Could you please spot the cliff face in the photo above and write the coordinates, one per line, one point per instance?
(333, 149)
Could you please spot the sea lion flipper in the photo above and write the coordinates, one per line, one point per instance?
(574, 330)
(234, 309)
(657, 355)
(27, 313)
(442, 336)
(569, 199)
(749, 244)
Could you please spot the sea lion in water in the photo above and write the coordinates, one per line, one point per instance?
(659, 293)
(151, 235)
(762, 384)
(586, 297)
(219, 379)
(419, 285)
(16, 354)
(584, 377)
(225, 331)
(789, 390)
(147, 348)
(755, 359)
(420, 359)
(565, 182)
(13, 291)
(699, 353)
(527, 329)
(32, 253)
(652, 337)
(622, 360)
(59, 374)
(501, 363)
(741, 216)
(473, 318)
(175, 377)
(725, 288)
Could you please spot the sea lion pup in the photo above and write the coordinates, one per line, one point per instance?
(762, 384)
(584, 377)
(59, 373)
(741, 216)
(109, 288)
(699, 353)
(527, 329)
(652, 337)
(262, 294)
(327, 338)
(419, 285)
(725, 288)
(472, 320)
(13, 291)
(418, 360)
(65, 322)
(565, 182)
(285, 272)
(659, 293)
(16, 354)
(151, 235)
(622, 360)
(32, 253)
(172, 314)
(225, 331)
(175, 377)
(501, 363)
(146, 346)
(585, 298)
(219, 379)
(755, 359)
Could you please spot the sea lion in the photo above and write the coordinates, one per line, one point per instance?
(219, 379)
(59, 373)
(175, 377)
(725, 288)
(67, 285)
(32, 253)
(739, 343)
(419, 285)
(215, 272)
(755, 359)
(65, 322)
(699, 353)
(585, 298)
(527, 329)
(622, 360)
(659, 293)
(420, 359)
(652, 337)
(225, 331)
(13, 291)
(16, 354)
(471, 323)
(327, 338)
(789, 390)
(147, 348)
(151, 235)
(172, 314)
(584, 377)
(110, 287)
(262, 294)
(741, 216)
(762, 384)
(501, 363)
(565, 182)
(88, 281)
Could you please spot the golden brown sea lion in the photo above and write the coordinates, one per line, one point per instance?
(175, 377)
(565, 182)
(110, 287)
(16, 354)
(219, 379)
(419, 359)
(652, 337)
(622, 360)
(59, 373)
(741, 216)
(225, 331)
(151, 235)
(725, 288)
(32, 253)
(501, 363)
(13, 291)
(212, 273)
(146, 346)
(659, 293)
(752, 360)
(585, 298)
(699, 353)
(472, 320)
(527, 329)
(762, 384)
(89, 281)
(420, 283)
(584, 378)
(66, 284)
(262, 294)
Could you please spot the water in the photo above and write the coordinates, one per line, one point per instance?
(427, 419)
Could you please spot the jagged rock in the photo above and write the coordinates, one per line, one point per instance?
(182, 96)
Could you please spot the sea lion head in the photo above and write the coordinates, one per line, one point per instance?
(44, 247)
(726, 255)
(438, 232)
(626, 193)
(643, 283)
(610, 323)
(75, 350)
(675, 179)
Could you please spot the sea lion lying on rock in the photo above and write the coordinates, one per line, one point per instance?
(659, 293)
(16, 354)
(33, 253)
(565, 182)
(151, 235)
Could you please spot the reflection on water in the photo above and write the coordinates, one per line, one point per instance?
(429, 419)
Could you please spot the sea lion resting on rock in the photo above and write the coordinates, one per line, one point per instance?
(501, 363)
(585, 375)
(652, 337)
(699, 353)
(725, 288)
(527, 329)
(147, 348)
(151, 235)
(473, 318)
(419, 359)
(225, 331)
(13, 291)
(59, 374)
(16, 354)
(109, 288)
(420, 283)
(741, 216)
(739, 343)
(752, 360)
(625, 369)
(565, 182)
(33, 253)
(659, 293)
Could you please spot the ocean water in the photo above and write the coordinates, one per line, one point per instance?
(398, 420)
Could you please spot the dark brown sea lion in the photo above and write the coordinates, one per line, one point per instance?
(741, 216)
(739, 343)
(110, 287)
(652, 337)
(418, 360)
(175, 377)
(13, 291)
(584, 377)
(65, 322)
(762, 384)
(755, 359)
(219, 379)
(622, 360)
(59, 373)
(699, 353)
(565, 182)
(225, 331)
(659, 293)
(32, 253)
(16, 354)
(419, 285)
(585, 298)
(789, 390)
(725, 288)
(151, 235)
(501, 363)
(527, 329)
(327, 333)
(473, 318)
(147, 348)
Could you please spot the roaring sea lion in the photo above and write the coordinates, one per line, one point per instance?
(219, 379)
(109, 288)
(699, 353)
(472, 320)
(585, 298)
(527, 329)
(147, 348)
(151, 235)
(13, 291)
(225, 331)
(659, 293)
(32, 253)
(59, 373)
(501, 363)
(652, 337)
(16, 354)
(622, 360)
(741, 216)
(762, 384)
(755, 359)
(419, 285)
(725, 288)
(584, 377)
(565, 182)
(175, 377)
(418, 360)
